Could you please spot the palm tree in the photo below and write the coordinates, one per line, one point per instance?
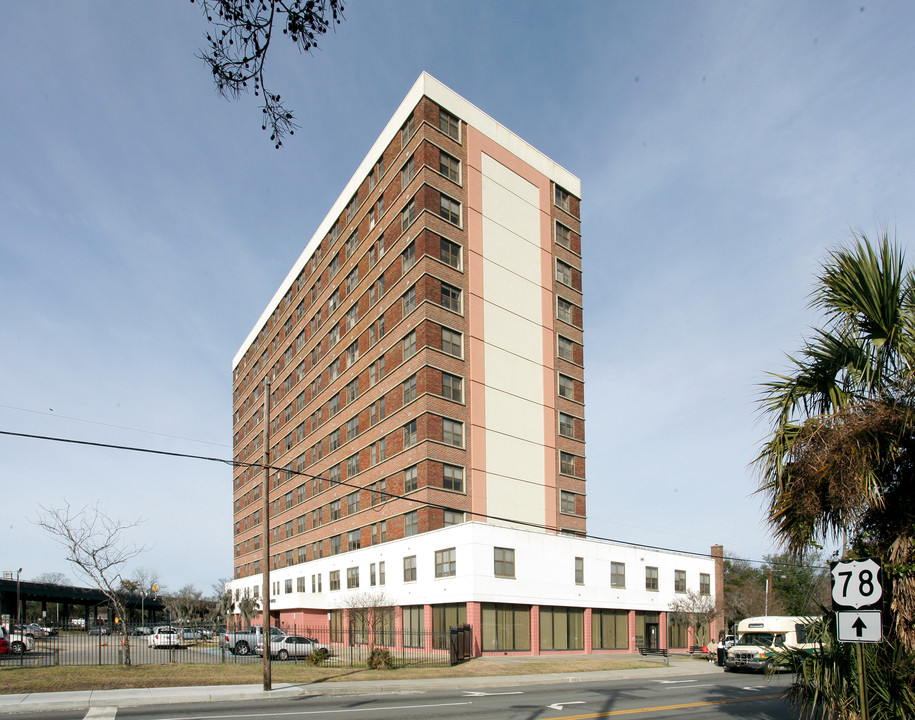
(841, 458)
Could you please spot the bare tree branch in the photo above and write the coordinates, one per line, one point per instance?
(238, 45)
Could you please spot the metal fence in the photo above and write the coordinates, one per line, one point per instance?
(411, 649)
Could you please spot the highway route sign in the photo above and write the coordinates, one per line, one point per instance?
(860, 626)
(857, 584)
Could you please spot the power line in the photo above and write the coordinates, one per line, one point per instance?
(386, 495)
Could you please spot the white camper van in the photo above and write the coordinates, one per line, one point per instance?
(758, 638)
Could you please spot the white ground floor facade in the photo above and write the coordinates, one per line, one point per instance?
(520, 591)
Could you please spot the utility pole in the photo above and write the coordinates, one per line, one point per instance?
(265, 623)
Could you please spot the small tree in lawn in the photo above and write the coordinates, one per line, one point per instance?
(95, 544)
(369, 613)
(694, 609)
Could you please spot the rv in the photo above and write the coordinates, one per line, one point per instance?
(759, 638)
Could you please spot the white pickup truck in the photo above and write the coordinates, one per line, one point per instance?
(243, 642)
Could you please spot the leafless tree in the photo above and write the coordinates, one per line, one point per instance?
(694, 610)
(53, 578)
(238, 45)
(95, 544)
(247, 606)
(370, 615)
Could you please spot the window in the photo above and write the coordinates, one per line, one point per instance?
(451, 342)
(409, 434)
(352, 353)
(452, 387)
(579, 571)
(449, 166)
(407, 172)
(352, 503)
(409, 345)
(563, 236)
(379, 451)
(562, 198)
(333, 476)
(566, 387)
(565, 348)
(445, 563)
(333, 371)
(450, 253)
(409, 389)
(336, 545)
(566, 463)
(452, 517)
(335, 510)
(411, 523)
(617, 574)
(316, 583)
(651, 578)
(451, 297)
(352, 578)
(300, 584)
(504, 562)
(564, 310)
(566, 502)
(379, 490)
(333, 405)
(334, 440)
(352, 465)
(409, 301)
(352, 317)
(566, 425)
(352, 207)
(563, 272)
(352, 242)
(353, 540)
(333, 269)
(453, 477)
(334, 577)
(406, 132)
(409, 568)
(352, 428)
(452, 432)
(705, 584)
(450, 210)
(352, 390)
(680, 581)
(410, 479)
(381, 572)
(449, 124)
(372, 575)
(408, 215)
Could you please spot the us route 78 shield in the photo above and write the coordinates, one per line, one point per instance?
(857, 584)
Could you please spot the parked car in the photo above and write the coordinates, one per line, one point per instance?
(140, 630)
(188, 634)
(49, 630)
(243, 642)
(164, 636)
(762, 638)
(4, 641)
(289, 646)
(99, 630)
(36, 631)
(19, 641)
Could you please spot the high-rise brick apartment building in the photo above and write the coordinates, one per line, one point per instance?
(425, 361)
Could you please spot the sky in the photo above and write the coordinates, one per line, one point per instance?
(724, 148)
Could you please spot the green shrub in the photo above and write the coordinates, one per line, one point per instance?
(380, 659)
(317, 657)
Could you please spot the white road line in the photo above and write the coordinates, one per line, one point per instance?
(316, 712)
(691, 686)
(101, 713)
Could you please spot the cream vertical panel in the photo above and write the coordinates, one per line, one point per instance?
(515, 432)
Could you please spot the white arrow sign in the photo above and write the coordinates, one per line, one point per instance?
(861, 626)
(558, 706)
(856, 584)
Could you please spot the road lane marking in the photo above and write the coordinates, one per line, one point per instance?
(317, 712)
(480, 693)
(101, 713)
(658, 708)
(558, 706)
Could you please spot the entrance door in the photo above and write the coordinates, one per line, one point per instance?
(651, 636)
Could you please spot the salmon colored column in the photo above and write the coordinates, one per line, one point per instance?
(632, 647)
(662, 631)
(398, 628)
(588, 639)
(475, 620)
(427, 627)
(535, 629)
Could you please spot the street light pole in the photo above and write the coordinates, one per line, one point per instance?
(18, 603)
(265, 623)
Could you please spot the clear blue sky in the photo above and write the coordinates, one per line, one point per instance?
(145, 223)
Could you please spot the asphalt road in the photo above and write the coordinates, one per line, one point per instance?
(727, 695)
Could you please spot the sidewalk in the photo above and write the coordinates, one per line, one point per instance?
(85, 699)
